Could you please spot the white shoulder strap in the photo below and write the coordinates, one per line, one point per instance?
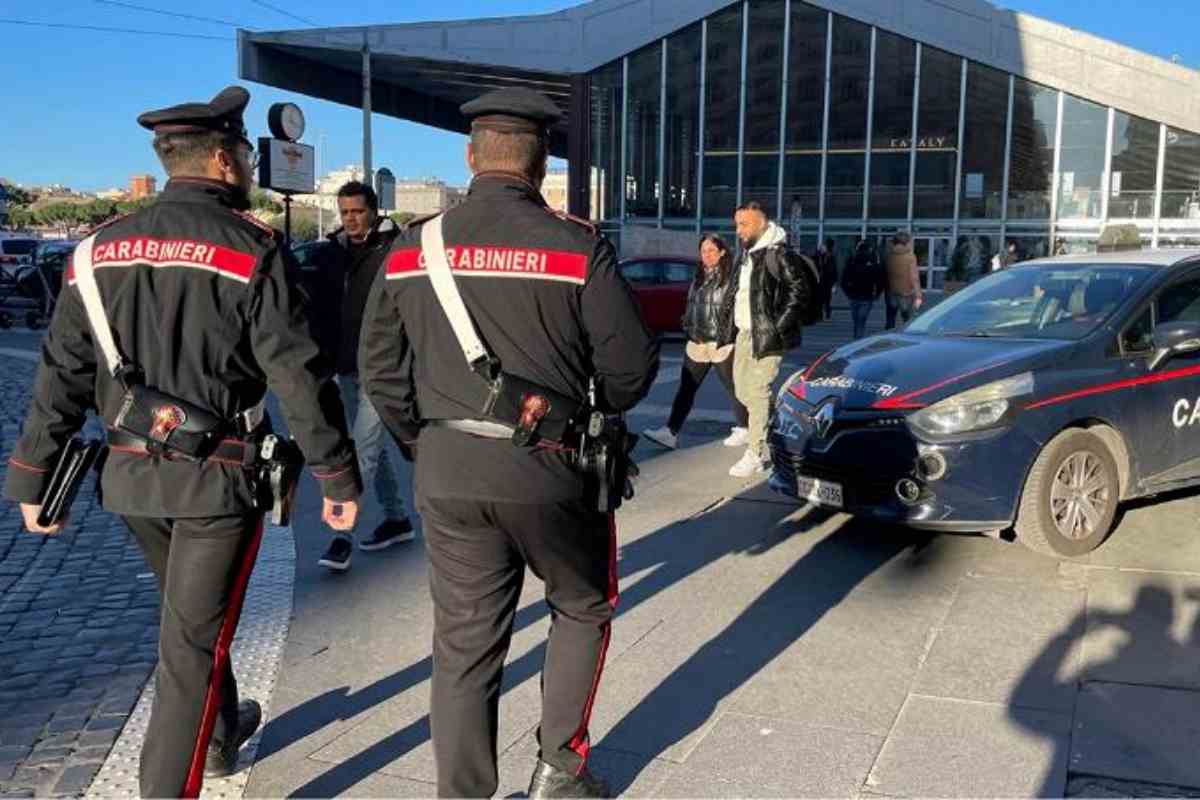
(433, 248)
(85, 278)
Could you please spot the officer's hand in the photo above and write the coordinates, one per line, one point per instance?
(339, 516)
(30, 512)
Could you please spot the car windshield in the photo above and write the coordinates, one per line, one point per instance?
(1051, 301)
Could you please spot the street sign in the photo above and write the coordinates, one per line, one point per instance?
(287, 167)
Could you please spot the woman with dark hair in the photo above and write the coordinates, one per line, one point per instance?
(708, 325)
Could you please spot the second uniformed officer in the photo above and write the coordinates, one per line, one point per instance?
(203, 319)
(548, 306)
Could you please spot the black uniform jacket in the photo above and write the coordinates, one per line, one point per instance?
(198, 295)
(546, 299)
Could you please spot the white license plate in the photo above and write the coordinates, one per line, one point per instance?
(823, 493)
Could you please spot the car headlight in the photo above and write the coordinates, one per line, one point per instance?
(789, 383)
(975, 409)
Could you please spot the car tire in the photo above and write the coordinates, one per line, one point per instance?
(1074, 473)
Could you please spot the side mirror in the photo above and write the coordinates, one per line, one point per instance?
(1173, 339)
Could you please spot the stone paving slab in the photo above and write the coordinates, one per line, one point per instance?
(1139, 733)
(952, 748)
(78, 631)
(1143, 629)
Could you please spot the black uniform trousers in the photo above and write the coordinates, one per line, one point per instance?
(196, 562)
(478, 551)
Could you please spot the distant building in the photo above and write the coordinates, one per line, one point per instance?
(413, 195)
(142, 186)
(554, 189)
(112, 194)
(425, 196)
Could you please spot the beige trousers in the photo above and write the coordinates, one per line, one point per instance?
(752, 380)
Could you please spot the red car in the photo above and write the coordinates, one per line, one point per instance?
(661, 284)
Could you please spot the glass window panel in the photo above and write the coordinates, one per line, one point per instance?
(806, 77)
(1134, 171)
(806, 108)
(850, 81)
(933, 191)
(1181, 176)
(983, 142)
(802, 184)
(1031, 178)
(642, 117)
(937, 116)
(683, 122)
(606, 91)
(889, 185)
(844, 177)
(895, 68)
(1081, 163)
(764, 91)
(723, 71)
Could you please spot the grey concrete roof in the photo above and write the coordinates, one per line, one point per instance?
(546, 49)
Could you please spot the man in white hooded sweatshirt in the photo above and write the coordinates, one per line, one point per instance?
(776, 297)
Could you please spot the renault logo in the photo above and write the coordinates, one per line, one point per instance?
(823, 420)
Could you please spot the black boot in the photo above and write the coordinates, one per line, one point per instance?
(549, 781)
(223, 757)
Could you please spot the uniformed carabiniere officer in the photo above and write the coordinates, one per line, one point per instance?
(549, 304)
(196, 295)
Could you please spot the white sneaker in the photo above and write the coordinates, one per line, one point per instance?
(738, 437)
(662, 436)
(750, 464)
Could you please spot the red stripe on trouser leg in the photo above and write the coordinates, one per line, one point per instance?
(580, 742)
(212, 697)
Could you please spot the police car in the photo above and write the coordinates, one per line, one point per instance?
(1033, 401)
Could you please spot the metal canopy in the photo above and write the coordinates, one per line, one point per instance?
(412, 88)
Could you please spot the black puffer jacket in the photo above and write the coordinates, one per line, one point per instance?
(783, 296)
(709, 314)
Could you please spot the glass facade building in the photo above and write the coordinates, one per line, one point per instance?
(844, 130)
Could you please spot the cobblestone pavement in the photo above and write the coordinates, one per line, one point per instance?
(78, 632)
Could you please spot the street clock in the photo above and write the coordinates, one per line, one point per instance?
(286, 121)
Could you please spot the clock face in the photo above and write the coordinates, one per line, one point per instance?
(292, 120)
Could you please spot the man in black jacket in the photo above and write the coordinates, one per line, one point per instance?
(776, 296)
(346, 268)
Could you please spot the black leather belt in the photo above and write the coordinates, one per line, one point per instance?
(232, 452)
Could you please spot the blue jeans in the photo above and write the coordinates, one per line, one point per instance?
(860, 311)
(378, 455)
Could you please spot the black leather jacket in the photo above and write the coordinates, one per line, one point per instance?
(779, 299)
(709, 314)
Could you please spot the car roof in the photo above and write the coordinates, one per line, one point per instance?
(1148, 258)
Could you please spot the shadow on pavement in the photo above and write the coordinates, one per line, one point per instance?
(816, 583)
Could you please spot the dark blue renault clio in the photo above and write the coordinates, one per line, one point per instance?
(1034, 400)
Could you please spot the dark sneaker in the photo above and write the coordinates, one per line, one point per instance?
(223, 757)
(549, 781)
(337, 557)
(389, 532)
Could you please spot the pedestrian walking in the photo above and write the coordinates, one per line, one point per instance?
(173, 324)
(345, 269)
(481, 340)
(708, 325)
(776, 295)
(904, 296)
(827, 267)
(862, 282)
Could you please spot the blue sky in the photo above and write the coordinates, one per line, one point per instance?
(71, 97)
